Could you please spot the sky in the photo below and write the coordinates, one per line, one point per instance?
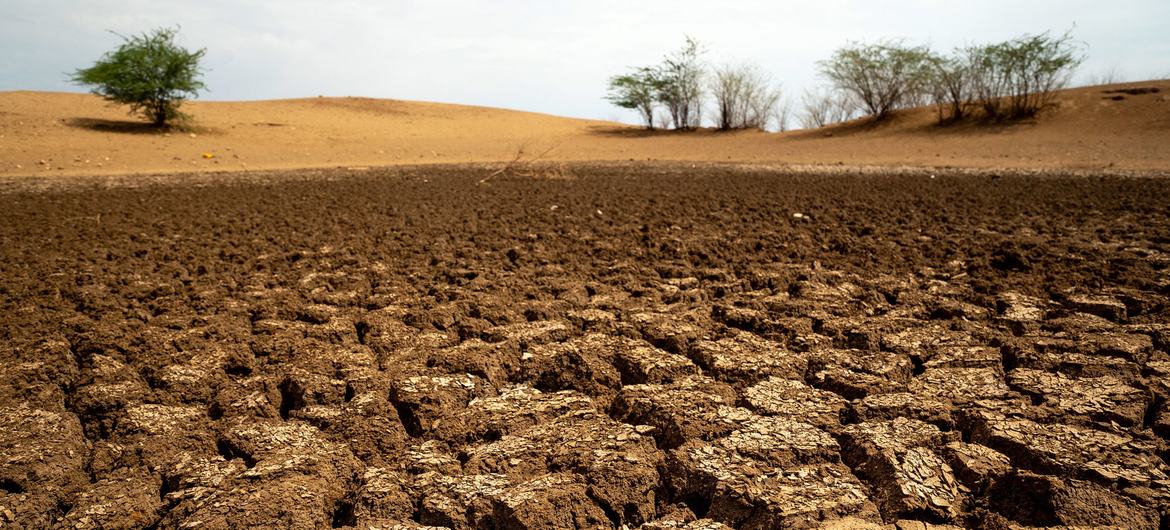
(550, 56)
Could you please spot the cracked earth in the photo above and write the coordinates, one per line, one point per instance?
(658, 347)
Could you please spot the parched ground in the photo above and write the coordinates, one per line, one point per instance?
(43, 134)
(654, 346)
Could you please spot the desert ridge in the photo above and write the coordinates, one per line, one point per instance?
(1124, 126)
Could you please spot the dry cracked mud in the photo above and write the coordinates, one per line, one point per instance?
(658, 347)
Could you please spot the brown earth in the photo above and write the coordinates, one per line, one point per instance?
(1116, 127)
(549, 342)
(587, 346)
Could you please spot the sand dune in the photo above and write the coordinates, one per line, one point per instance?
(74, 134)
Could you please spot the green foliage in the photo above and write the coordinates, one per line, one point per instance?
(952, 86)
(882, 77)
(148, 72)
(1017, 78)
(681, 75)
(676, 84)
(637, 91)
(1007, 80)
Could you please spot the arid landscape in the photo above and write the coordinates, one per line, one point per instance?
(354, 313)
(53, 134)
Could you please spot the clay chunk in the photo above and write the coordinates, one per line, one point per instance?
(898, 459)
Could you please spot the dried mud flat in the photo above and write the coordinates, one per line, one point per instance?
(635, 346)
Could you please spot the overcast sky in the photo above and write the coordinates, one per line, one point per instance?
(549, 56)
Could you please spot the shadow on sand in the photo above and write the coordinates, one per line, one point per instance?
(618, 131)
(117, 126)
(912, 123)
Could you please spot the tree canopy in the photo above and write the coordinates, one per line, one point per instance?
(148, 72)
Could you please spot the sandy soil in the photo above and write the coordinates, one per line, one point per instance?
(71, 134)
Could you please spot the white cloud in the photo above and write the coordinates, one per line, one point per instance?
(548, 56)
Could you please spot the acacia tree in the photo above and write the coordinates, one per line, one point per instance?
(820, 108)
(637, 91)
(1016, 78)
(882, 77)
(743, 97)
(681, 92)
(952, 86)
(148, 72)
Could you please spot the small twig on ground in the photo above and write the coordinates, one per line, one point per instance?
(530, 168)
(97, 219)
(515, 160)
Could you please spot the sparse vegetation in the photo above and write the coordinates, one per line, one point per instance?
(820, 108)
(744, 97)
(952, 87)
(675, 85)
(782, 115)
(636, 91)
(681, 91)
(1108, 76)
(1002, 81)
(1007, 80)
(882, 77)
(1017, 78)
(148, 72)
